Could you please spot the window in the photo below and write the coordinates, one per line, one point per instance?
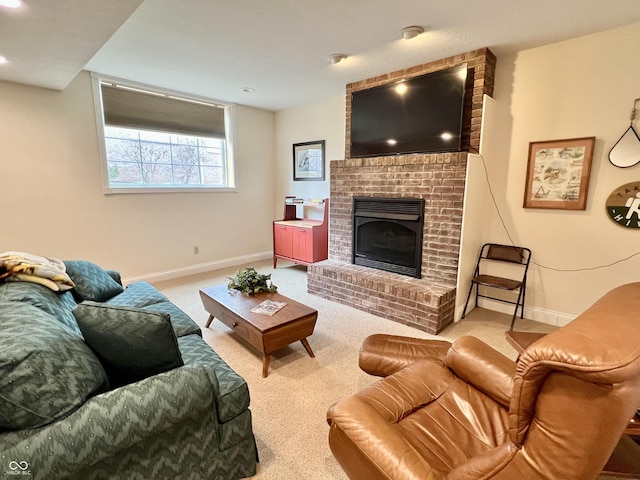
(156, 141)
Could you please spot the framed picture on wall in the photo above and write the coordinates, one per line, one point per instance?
(558, 174)
(308, 160)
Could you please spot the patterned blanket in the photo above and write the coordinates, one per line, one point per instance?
(25, 267)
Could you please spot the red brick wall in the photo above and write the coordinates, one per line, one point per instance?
(438, 178)
(427, 303)
(407, 300)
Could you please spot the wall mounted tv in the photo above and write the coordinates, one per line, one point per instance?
(418, 115)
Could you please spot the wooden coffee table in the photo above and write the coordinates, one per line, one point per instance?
(267, 333)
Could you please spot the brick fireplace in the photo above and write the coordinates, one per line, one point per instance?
(426, 303)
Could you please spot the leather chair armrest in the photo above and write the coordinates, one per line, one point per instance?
(418, 384)
(383, 355)
(483, 367)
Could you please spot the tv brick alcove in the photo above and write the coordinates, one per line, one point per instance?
(426, 303)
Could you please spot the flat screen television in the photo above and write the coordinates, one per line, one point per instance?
(418, 115)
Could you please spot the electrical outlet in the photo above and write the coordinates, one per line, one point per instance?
(196, 250)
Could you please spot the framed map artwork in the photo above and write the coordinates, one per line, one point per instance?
(558, 174)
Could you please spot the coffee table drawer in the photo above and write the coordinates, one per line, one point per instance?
(241, 327)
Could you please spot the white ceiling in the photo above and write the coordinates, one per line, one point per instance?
(47, 42)
(215, 48)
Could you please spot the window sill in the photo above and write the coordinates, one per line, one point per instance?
(120, 191)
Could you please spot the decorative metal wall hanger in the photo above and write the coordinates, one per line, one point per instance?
(626, 151)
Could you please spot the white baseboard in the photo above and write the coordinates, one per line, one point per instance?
(199, 268)
(530, 313)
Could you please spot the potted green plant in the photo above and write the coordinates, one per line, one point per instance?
(249, 281)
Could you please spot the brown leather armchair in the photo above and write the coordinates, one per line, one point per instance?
(472, 413)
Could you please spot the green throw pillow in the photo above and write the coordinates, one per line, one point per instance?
(46, 370)
(92, 282)
(131, 343)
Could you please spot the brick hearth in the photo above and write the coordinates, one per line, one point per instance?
(420, 304)
(427, 303)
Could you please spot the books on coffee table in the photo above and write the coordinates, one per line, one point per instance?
(268, 307)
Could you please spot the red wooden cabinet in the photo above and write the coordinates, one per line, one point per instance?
(301, 240)
(282, 240)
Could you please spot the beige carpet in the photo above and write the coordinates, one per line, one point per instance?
(289, 406)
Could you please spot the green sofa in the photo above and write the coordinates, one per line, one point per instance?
(106, 382)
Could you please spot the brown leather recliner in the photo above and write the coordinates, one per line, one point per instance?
(472, 413)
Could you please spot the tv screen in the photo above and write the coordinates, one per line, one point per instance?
(418, 115)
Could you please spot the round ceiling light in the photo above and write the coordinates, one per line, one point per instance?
(337, 57)
(11, 3)
(411, 32)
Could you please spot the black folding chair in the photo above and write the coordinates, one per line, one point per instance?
(493, 252)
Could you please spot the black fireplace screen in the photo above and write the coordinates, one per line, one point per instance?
(387, 234)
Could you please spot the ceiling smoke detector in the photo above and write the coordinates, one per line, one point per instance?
(411, 32)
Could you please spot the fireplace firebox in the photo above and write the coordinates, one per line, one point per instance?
(387, 234)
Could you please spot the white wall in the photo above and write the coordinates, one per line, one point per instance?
(577, 88)
(53, 203)
(319, 121)
(476, 191)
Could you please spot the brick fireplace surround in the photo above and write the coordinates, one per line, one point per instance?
(427, 303)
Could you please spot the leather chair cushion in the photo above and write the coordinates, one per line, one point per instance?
(428, 409)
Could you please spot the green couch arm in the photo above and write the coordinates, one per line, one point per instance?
(114, 421)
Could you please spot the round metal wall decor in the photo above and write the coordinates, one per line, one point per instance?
(623, 205)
